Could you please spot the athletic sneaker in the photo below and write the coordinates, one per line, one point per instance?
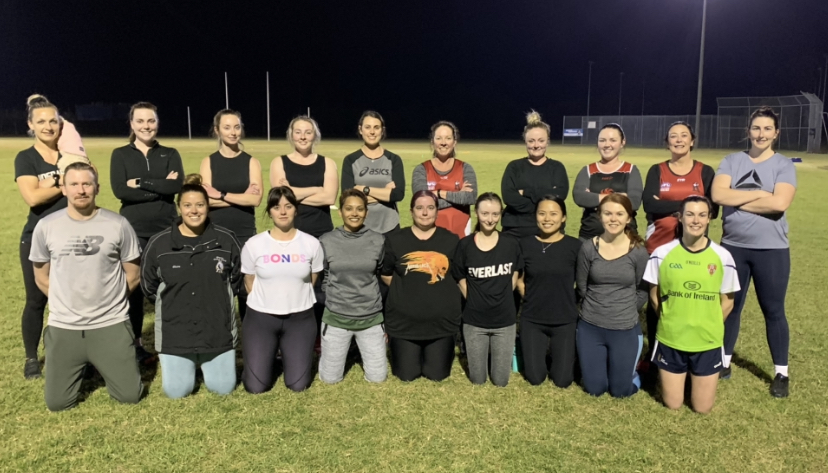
(724, 373)
(32, 368)
(143, 357)
(779, 386)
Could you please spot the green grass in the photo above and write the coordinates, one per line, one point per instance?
(426, 426)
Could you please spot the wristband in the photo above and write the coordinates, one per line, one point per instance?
(223, 195)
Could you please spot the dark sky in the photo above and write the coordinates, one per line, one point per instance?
(479, 63)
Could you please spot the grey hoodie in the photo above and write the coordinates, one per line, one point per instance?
(351, 262)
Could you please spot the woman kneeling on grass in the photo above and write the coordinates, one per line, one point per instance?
(610, 267)
(280, 267)
(422, 315)
(486, 266)
(194, 258)
(353, 304)
(692, 286)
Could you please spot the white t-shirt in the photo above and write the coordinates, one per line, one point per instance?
(283, 272)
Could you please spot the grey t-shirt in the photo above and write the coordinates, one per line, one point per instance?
(747, 229)
(351, 262)
(87, 284)
(611, 289)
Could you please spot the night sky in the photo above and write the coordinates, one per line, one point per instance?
(481, 64)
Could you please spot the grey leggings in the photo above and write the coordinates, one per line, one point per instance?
(480, 342)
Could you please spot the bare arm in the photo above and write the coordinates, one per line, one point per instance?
(727, 303)
(314, 278)
(778, 202)
(654, 299)
(325, 195)
(207, 180)
(251, 197)
(515, 278)
(132, 269)
(36, 192)
(386, 280)
(464, 289)
(521, 285)
(41, 272)
(248, 282)
(724, 195)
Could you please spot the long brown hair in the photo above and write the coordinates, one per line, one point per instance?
(624, 201)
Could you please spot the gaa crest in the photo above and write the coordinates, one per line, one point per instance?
(711, 268)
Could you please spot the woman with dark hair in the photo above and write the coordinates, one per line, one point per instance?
(486, 266)
(422, 315)
(452, 181)
(609, 272)
(377, 173)
(756, 188)
(38, 180)
(353, 304)
(549, 314)
(146, 177)
(607, 176)
(692, 284)
(194, 256)
(233, 181)
(280, 267)
(668, 184)
(527, 180)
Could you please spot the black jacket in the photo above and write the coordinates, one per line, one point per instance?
(193, 287)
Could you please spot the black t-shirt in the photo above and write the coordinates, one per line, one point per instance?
(550, 280)
(488, 275)
(29, 162)
(423, 300)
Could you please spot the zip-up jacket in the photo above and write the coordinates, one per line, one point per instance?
(193, 285)
(150, 208)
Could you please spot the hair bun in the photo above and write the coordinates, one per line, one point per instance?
(36, 99)
(192, 179)
(533, 118)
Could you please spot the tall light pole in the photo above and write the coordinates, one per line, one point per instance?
(825, 80)
(643, 90)
(589, 86)
(701, 67)
(620, 88)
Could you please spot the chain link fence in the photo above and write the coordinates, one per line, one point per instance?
(647, 131)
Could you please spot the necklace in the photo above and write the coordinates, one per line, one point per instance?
(544, 247)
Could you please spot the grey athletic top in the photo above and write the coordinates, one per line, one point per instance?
(351, 264)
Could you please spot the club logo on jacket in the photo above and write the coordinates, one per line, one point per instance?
(82, 246)
(219, 264)
(429, 262)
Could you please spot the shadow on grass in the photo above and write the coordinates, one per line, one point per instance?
(751, 367)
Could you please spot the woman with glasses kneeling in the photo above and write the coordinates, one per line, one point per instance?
(192, 272)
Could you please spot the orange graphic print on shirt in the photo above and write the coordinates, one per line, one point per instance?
(429, 262)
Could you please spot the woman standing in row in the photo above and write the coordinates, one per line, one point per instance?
(422, 315)
(527, 180)
(194, 256)
(233, 181)
(280, 267)
(549, 313)
(451, 180)
(607, 176)
(38, 180)
(377, 173)
(486, 266)
(757, 187)
(609, 272)
(146, 177)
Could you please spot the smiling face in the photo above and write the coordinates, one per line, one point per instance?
(443, 142)
(193, 207)
(488, 215)
(45, 124)
(695, 219)
(229, 130)
(679, 140)
(610, 144)
(762, 133)
(549, 217)
(371, 131)
(424, 213)
(144, 125)
(536, 142)
(353, 213)
(283, 214)
(80, 188)
(302, 136)
(614, 218)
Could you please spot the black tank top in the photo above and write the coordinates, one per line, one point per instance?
(311, 219)
(232, 175)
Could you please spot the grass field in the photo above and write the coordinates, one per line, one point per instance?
(426, 426)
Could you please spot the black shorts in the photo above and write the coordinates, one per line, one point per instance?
(703, 363)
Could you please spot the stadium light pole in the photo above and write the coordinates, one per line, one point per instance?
(620, 88)
(701, 67)
(589, 86)
(643, 91)
(267, 78)
(226, 93)
(825, 79)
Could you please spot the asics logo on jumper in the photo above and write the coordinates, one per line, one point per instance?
(82, 246)
(374, 172)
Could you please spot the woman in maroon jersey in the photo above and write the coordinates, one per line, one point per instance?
(668, 184)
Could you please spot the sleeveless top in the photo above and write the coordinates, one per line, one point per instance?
(312, 219)
(604, 183)
(232, 175)
(457, 218)
(673, 188)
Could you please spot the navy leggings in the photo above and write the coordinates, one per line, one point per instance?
(263, 334)
(608, 359)
(431, 359)
(770, 270)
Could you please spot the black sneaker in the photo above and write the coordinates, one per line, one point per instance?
(724, 373)
(143, 357)
(32, 368)
(779, 386)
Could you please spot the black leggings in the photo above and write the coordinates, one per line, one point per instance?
(264, 334)
(432, 359)
(32, 320)
(136, 301)
(535, 340)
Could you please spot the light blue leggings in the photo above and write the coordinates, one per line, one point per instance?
(178, 373)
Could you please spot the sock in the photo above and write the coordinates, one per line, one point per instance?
(726, 362)
(783, 370)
